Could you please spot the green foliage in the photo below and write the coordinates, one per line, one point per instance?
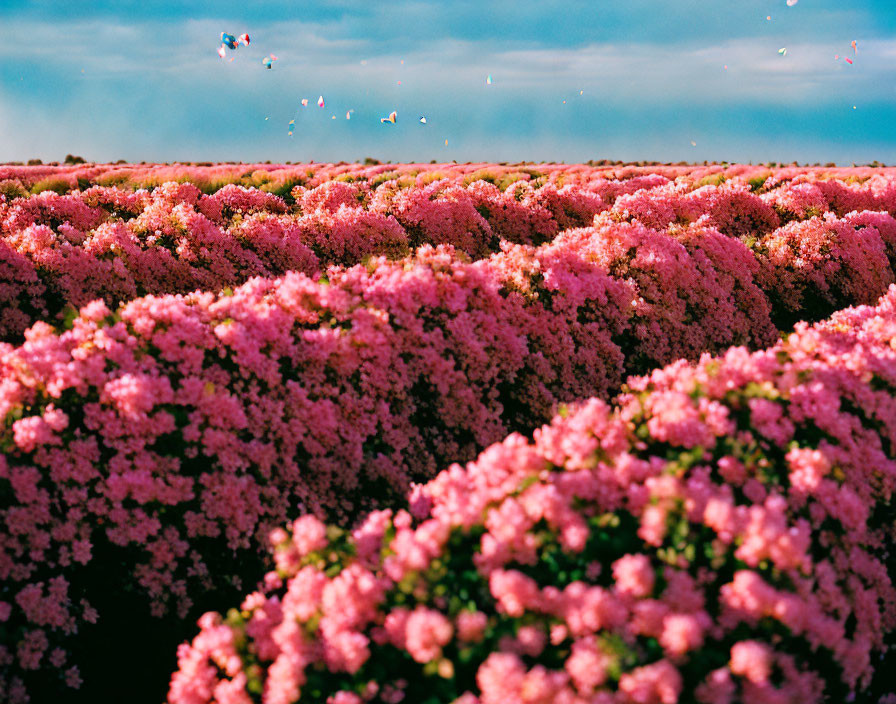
(712, 180)
(481, 175)
(379, 180)
(114, 178)
(505, 181)
(58, 185)
(12, 188)
(282, 188)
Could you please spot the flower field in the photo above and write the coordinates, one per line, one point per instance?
(470, 433)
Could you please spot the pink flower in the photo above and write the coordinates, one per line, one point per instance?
(30, 433)
(681, 633)
(752, 660)
(73, 677)
(427, 632)
(471, 626)
(308, 535)
(587, 665)
(634, 576)
(659, 683)
(718, 688)
(344, 698)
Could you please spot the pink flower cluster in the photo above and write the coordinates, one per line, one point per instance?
(680, 277)
(718, 535)
(814, 267)
(731, 208)
(807, 195)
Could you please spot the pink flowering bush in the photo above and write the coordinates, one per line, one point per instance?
(882, 222)
(569, 206)
(656, 208)
(116, 201)
(610, 189)
(734, 210)
(330, 196)
(438, 213)
(814, 267)
(509, 217)
(808, 194)
(22, 295)
(798, 201)
(179, 431)
(679, 278)
(844, 197)
(722, 533)
(51, 209)
(239, 199)
(731, 208)
(351, 234)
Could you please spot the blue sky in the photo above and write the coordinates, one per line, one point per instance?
(642, 79)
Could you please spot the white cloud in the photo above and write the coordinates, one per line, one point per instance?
(154, 53)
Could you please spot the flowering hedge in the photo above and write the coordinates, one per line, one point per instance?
(117, 244)
(815, 267)
(174, 240)
(168, 434)
(68, 250)
(179, 430)
(843, 186)
(722, 533)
